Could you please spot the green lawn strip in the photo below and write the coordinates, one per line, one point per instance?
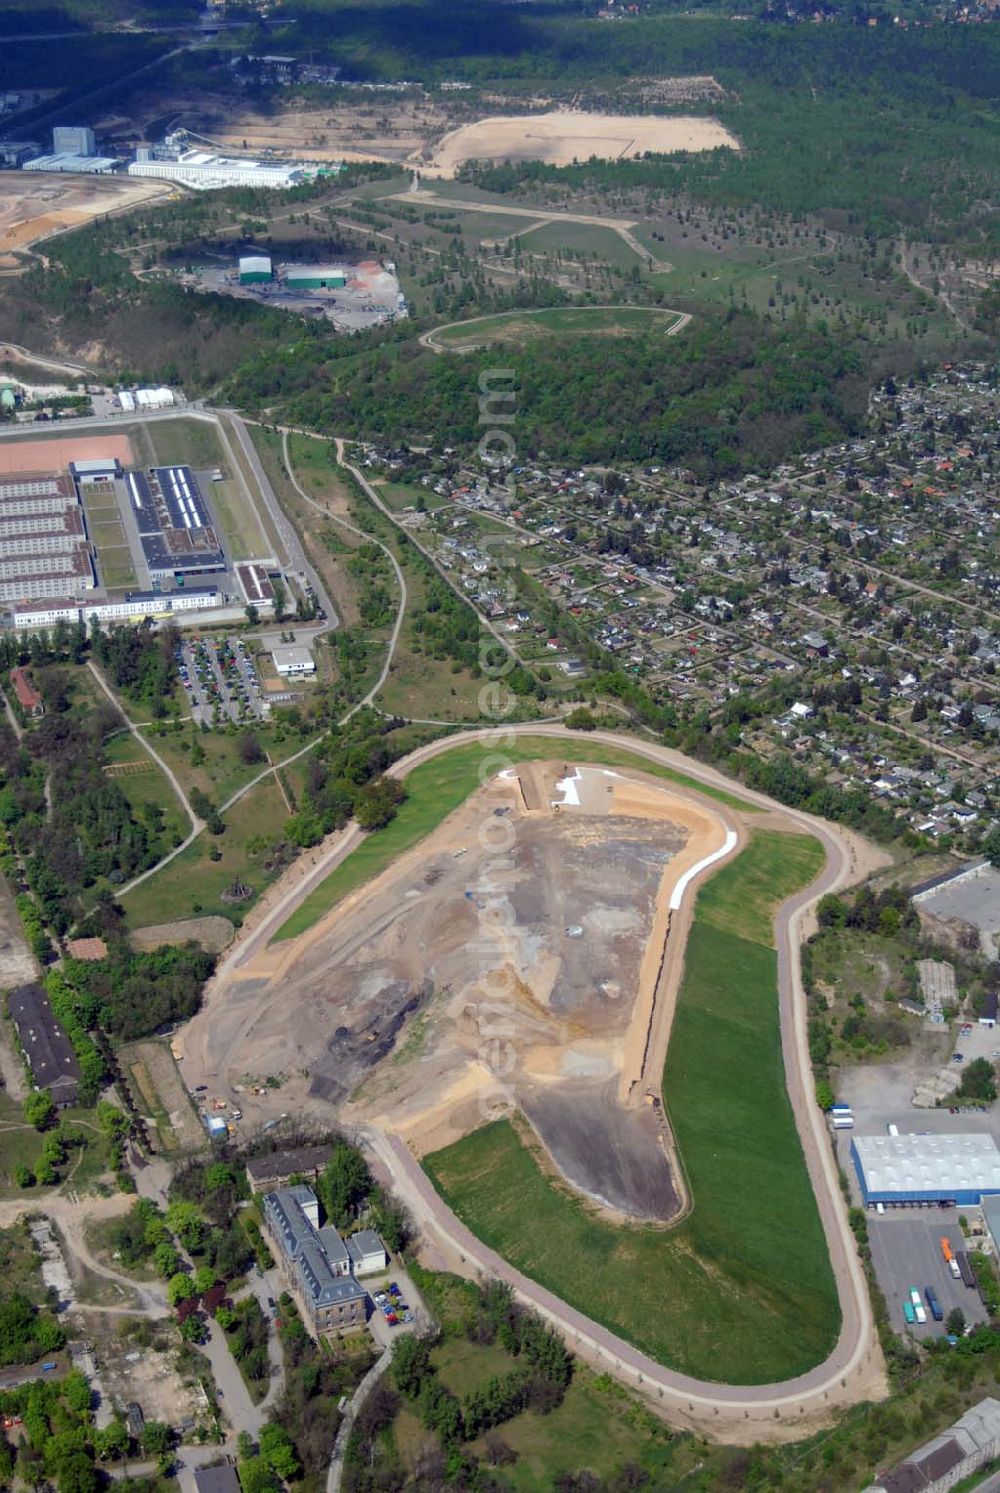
(436, 788)
(560, 320)
(742, 1290)
(771, 867)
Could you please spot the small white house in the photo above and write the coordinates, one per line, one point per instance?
(367, 1252)
(293, 662)
(801, 710)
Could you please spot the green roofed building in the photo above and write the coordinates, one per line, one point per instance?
(255, 269)
(316, 277)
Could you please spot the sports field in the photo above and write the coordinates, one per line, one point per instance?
(437, 787)
(741, 1291)
(530, 326)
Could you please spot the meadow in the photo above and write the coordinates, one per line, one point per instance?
(524, 326)
(734, 1293)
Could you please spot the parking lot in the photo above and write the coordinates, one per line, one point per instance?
(220, 680)
(408, 1305)
(906, 1253)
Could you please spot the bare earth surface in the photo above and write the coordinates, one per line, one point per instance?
(566, 135)
(55, 454)
(212, 933)
(390, 1002)
(34, 205)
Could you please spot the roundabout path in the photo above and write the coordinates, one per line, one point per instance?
(854, 1371)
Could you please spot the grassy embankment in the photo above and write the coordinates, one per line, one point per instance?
(526, 326)
(742, 1289)
(439, 786)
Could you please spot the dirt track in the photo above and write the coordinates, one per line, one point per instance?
(854, 1371)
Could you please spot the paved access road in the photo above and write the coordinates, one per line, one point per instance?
(854, 1370)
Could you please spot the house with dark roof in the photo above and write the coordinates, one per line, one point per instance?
(267, 1173)
(937, 1466)
(218, 1479)
(314, 1261)
(46, 1046)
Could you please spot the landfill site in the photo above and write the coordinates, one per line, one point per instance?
(553, 938)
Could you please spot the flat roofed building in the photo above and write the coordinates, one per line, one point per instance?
(74, 140)
(36, 492)
(315, 276)
(293, 661)
(926, 1168)
(48, 1050)
(175, 528)
(255, 584)
(206, 172)
(99, 469)
(220, 1479)
(34, 616)
(79, 165)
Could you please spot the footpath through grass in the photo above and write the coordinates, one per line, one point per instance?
(438, 787)
(742, 1290)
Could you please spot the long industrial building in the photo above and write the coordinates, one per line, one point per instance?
(908, 1169)
(132, 607)
(175, 528)
(80, 165)
(204, 172)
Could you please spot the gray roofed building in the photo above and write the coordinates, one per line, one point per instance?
(49, 1051)
(941, 1463)
(367, 1252)
(266, 1173)
(219, 1479)
(314, 1261)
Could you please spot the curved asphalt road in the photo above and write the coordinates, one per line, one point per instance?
(853, 1371)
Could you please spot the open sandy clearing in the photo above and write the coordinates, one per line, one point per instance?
(35, 205)
(568, 135)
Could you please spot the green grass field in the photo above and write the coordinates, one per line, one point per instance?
(741, 1290)
(438, 787)
(528, 326)
(192, 884)
(194, 442)
(115, 566)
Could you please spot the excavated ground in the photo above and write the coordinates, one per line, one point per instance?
(463, 970)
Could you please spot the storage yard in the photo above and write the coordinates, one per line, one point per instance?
(354, 297)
